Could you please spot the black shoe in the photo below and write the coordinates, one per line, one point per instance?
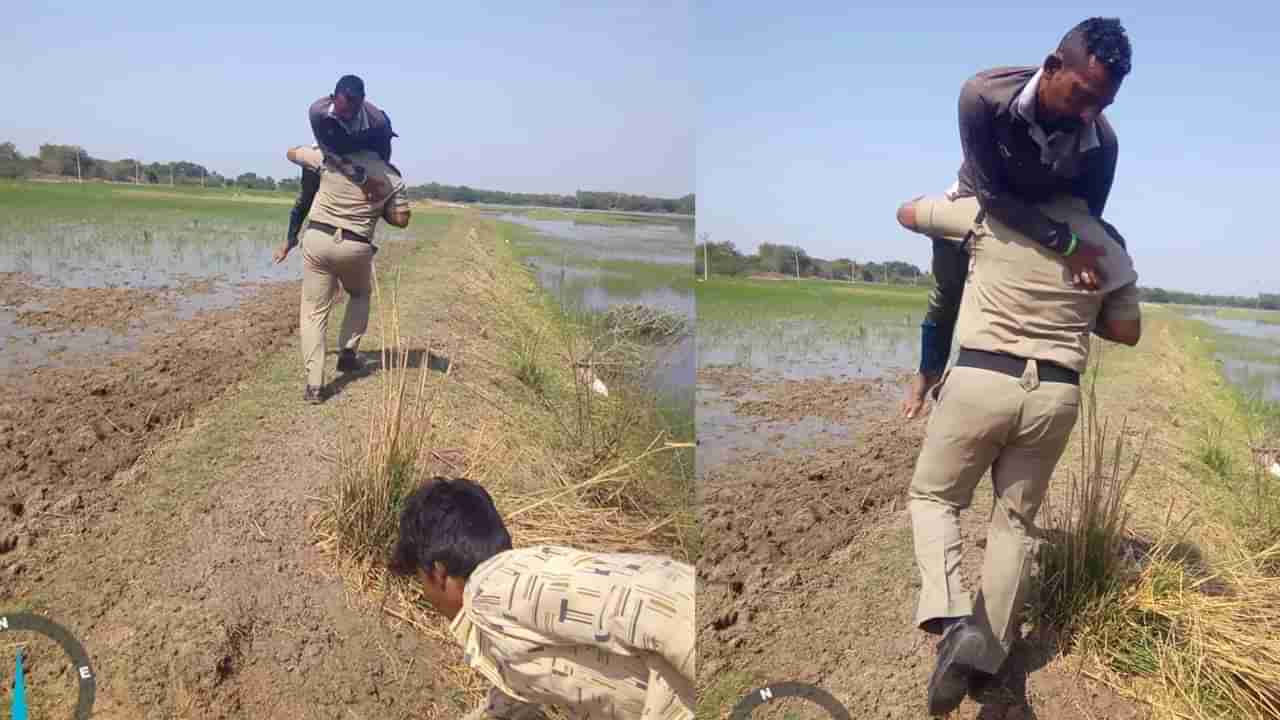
(348, 361)
(961, 647)
(311, 394)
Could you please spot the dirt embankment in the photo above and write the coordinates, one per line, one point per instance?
(807, 572)
(195, 578)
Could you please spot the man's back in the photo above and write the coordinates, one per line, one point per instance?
(599, 634)
(1019, 298)
(342, 203)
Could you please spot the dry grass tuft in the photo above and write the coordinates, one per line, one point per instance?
(1083, 564)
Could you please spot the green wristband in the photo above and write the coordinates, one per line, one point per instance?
(1075, 242)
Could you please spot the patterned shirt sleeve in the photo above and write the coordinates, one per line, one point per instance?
(621, 604)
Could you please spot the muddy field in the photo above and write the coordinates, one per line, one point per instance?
(807, 572)
(67, 433)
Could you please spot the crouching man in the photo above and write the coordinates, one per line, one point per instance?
(598, 635)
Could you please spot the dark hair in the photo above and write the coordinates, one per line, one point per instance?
(1103, 39)
(453, 522)
(351, 86)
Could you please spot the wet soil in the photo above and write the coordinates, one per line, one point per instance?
(200, 595)
(807, 572)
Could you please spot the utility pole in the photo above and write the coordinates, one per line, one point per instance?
(170, 174)
(796, 250)
(137, 172)
(79, 178)
(706, 256)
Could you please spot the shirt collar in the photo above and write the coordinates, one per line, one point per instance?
(358, 123)
(1024, 106)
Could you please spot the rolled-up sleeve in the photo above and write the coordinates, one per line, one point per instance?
(308, 157)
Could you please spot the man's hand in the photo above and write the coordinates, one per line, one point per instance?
(914, 403)
(280, 254)
(376, 188)
(1083, 265)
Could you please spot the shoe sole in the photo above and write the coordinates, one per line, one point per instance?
(950, 681)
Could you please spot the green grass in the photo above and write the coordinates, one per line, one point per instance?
(620, 278)
(103, 201)
(597, 218)
(1271, 317)
(526, 363)
(724, 693)
(821, 325)
(727, 298)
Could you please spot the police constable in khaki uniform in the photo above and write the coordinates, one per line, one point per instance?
(337, 246)
(598, 635)
(1029, 134)
(1008, 404)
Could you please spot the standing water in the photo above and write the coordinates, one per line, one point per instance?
(595, 267)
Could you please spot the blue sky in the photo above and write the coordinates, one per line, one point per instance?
(531, 97)
(818, 119)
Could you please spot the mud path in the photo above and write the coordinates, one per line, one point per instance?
(187, 567)
(808, 572)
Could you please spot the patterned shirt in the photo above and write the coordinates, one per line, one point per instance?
(598, 635)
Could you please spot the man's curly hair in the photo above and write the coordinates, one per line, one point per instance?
(1103, 39)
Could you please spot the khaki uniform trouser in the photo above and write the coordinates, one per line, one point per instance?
(326, 260)
(1019, 429)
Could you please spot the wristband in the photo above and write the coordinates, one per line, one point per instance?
(1075, 242)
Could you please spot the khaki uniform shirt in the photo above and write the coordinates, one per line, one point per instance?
(598, 635)
(1019, 298)
(342, 203)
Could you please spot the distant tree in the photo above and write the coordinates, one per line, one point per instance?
(61, 160)
(12, 164)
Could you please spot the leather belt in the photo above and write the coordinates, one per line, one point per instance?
(331, 229)
(1014, 366)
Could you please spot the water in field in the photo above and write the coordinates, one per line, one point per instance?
(1250, 354)
(867, 343)
(767, 331)
(211, 246)
(595, 267)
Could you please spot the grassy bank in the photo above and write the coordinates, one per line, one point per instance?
(1177, 560)
(565, 465)
(1161, 560)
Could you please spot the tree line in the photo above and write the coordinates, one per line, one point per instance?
(582, 200)
(792, 260)
(72, 161)
(1263, 301)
